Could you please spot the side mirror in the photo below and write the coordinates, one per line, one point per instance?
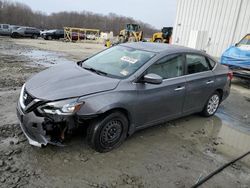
(152, 78)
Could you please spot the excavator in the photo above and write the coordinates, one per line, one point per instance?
(164, 36)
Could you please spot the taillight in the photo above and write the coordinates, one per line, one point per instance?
(230, 75)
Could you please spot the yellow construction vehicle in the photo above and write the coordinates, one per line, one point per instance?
(131, 33)
(163, 36)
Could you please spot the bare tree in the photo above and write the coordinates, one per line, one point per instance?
(21, 14)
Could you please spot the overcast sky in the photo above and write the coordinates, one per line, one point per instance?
(157, 13)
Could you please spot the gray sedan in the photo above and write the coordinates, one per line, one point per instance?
(119, 91)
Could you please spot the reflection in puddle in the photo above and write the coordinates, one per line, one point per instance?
(235, 141)
(46, 58)
(220, 134)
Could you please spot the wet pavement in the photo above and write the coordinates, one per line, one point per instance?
(174, 154)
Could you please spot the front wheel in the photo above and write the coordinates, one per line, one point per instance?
(108, 133)
(122, 39)
(14, 35)
(212, 105)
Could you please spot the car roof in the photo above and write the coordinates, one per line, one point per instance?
(160, 47)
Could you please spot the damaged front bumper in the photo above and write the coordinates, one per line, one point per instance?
(32, 127)
(46, 122)
(42, 129)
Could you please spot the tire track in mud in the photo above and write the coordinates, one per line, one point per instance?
(12, 172)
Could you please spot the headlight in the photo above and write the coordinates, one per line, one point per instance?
(21, 102)
(64, 107)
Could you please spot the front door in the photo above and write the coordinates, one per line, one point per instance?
(159, 102)
(5, 29)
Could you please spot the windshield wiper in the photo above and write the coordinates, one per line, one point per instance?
(95, 70)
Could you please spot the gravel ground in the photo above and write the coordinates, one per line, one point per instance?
(174, 154)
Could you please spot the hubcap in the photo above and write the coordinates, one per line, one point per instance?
(111, 133)
(213, 104)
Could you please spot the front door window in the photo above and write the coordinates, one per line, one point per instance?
(168, 67)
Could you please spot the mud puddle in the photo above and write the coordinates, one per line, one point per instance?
(233, 139)
(235, 142)
(222, 136)
(46, 58)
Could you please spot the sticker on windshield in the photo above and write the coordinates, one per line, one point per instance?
(124, 72)
(129, 59)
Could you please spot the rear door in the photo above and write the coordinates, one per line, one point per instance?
(199, 82)
(28, 32)
(158, 102)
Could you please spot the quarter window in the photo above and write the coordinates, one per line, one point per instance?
(196, 63)
(168, 67)
(212, 63)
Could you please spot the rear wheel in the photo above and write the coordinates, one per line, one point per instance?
(109, 132)
(34, 36)
(212, 105)
(158, 40)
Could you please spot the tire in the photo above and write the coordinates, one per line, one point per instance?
(34, 36)
(49, 37)
(122, 39)
(14, 35)
(158, 40)
(107, 133)
(131, 39)
(212, 105)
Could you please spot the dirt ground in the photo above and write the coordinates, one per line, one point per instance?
(175, 154)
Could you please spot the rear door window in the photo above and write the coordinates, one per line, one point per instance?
(196, 63)
(59, 32)
(212, 63)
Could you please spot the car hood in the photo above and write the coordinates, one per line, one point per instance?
(66, 81)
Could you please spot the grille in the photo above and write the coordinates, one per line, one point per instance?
(27, 98)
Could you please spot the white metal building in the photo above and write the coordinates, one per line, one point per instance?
(211, 25)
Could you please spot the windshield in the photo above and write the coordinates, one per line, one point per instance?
(20, 29)
(245, 40)
(118, 61)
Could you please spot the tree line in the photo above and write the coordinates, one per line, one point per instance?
(16, 13)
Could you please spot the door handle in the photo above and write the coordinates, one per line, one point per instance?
(209, 82)
(179, 88)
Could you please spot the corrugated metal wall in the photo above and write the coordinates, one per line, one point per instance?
(226, 22)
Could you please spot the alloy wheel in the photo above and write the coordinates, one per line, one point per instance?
(213, 104)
